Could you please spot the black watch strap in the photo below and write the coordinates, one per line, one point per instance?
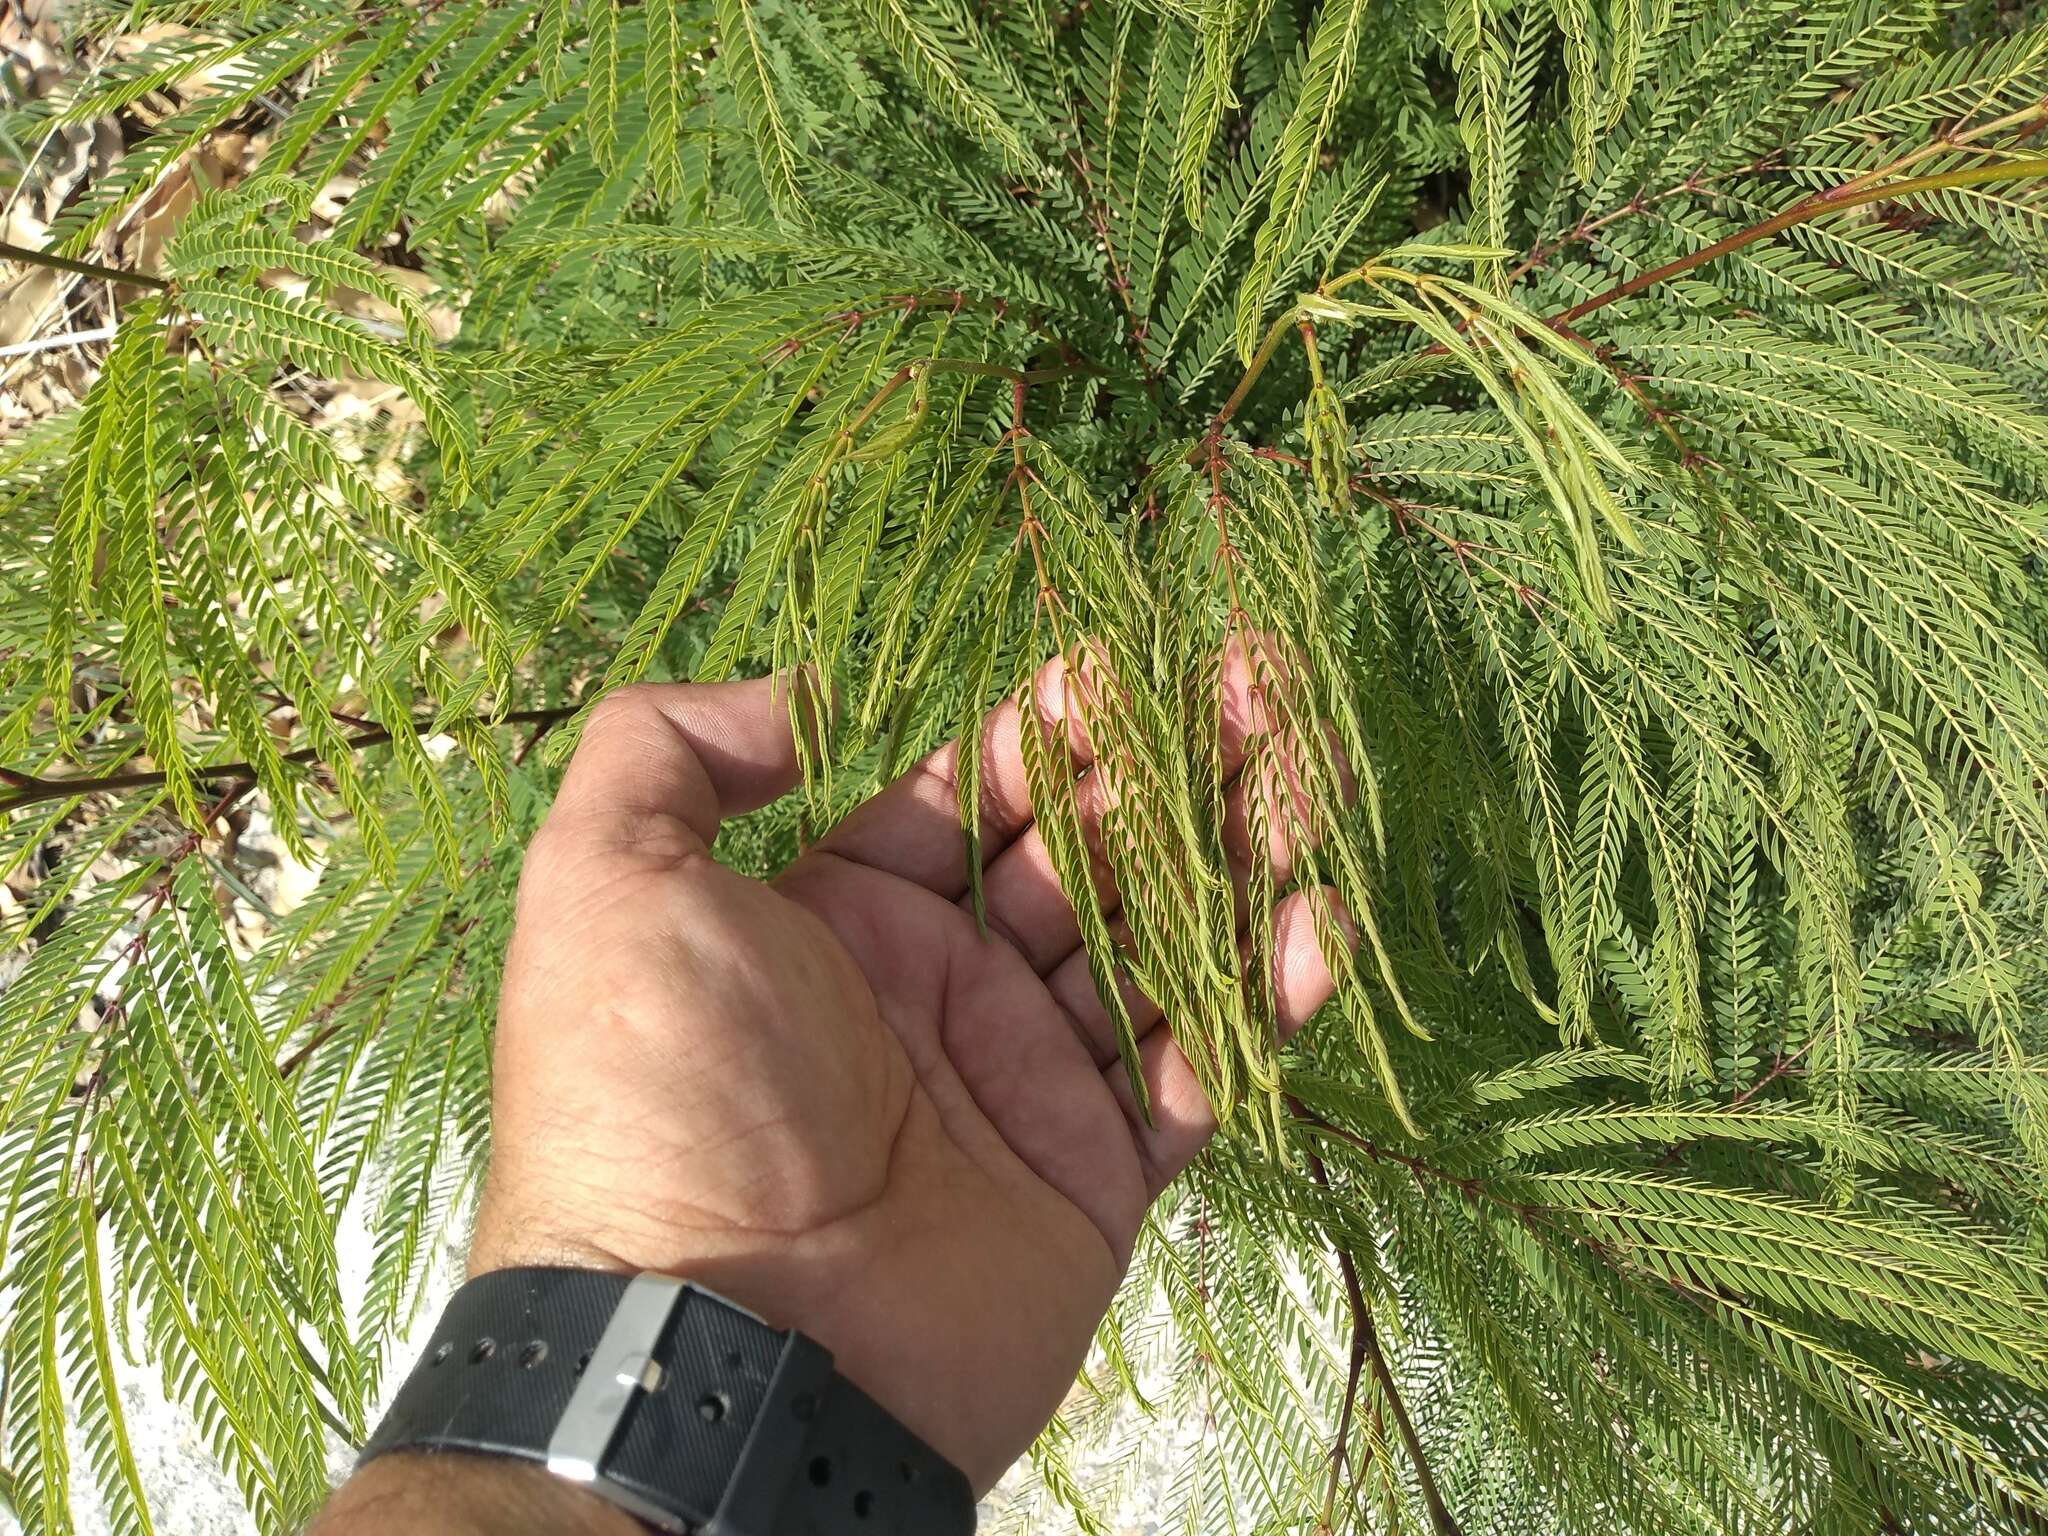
(673, 1403)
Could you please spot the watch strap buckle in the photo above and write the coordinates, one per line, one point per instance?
(690, 1413)
(622, 1370)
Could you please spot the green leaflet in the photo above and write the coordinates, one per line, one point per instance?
(317, 337)
(1224, 32)
(82, 511)
(1486, 111)
(1575, 23)
(746, 70)
(107, 1432)
(605, 68)
(1325, 80)
(214, 248)
(669, 87)
(930, 51)
(139, 477)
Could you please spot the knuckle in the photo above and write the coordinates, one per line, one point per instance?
(542, 849)
(633, 703)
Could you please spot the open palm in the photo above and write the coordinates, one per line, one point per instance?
(832, 1098)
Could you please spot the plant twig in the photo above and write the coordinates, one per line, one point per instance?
(115, 1018)
(1029, 528)
(1850, 194)
(1253, 369)
(299, 1057)
(1365, 1346)
(30, 790)
(532, 740)
(21, 253)
(1854, 193)
(2028, 119)
(1361, 1328)
(1778, 1068)
(1441, 1520)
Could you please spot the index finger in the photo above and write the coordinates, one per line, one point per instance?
(912, 828)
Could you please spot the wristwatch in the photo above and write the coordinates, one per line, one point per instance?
(672, 1403)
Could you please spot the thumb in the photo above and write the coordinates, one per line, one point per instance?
(688, 753)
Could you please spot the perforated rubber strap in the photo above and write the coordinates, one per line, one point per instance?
(673, 1403)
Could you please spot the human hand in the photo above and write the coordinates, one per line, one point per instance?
(829, 1097)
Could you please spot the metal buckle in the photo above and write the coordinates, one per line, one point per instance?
(621, 1368)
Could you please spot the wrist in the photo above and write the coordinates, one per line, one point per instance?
(762, 1275)
(836, 1285)
(450, 1493)
(666, 1400)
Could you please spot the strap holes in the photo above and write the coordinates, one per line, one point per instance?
(713, 1406)
(863, 1504)
(821, 1471)
(485, 1348)
(533, 1354)
(583, 1362)
(906, 1471)
(441, 1352)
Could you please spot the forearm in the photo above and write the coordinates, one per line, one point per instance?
(450, 1494)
